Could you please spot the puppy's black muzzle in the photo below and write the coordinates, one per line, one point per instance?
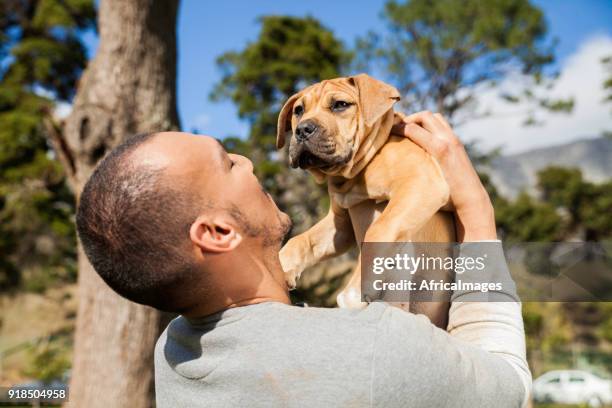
(305, 129)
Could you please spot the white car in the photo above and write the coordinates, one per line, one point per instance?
(572, 387)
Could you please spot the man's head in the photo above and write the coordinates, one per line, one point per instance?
(163, 215)
(328, 120)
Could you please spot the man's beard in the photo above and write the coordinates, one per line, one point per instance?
(282, 229)
(273, 235)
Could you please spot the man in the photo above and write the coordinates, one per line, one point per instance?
(172, 221)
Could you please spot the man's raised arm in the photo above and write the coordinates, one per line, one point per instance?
(482, 354)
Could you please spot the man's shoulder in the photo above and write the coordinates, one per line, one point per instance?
(272, 318)
(283, 322)
(333, 326)
(271, 312)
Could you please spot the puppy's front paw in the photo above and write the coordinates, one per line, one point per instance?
(290, 259)
(291, 279)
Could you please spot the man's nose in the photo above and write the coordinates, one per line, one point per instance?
(305, 129)
(250, 164)
(245, 161)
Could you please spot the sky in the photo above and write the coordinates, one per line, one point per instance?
(208, 29)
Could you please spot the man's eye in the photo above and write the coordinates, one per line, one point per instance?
(298, 110)
(339, 106)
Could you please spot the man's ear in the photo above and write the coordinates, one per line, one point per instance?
(375, 97)
(214, 235)
(284, 120)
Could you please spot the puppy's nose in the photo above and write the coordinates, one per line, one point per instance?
(304, 130)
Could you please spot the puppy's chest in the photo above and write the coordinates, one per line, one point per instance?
(357, 191)
(364, 203)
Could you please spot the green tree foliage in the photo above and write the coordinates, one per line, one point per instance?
(41, 59)
(526, 220)
(548, 332)
(605, 327)
(289, 53)
(48, 361)
(587, 206)
(441, 54)
(568, 207)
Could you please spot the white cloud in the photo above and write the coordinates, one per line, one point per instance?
(582, 75)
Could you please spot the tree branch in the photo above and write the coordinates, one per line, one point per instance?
(56, 137)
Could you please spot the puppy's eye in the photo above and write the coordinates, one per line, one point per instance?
(298, 110)
(339, 106)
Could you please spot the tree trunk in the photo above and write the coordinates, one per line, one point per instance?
(129, 87)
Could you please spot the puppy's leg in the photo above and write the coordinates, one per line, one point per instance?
(350, 296)
(406, 214)
(331, 236)
(413, 202)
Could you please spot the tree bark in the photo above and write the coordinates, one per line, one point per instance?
(129, 87)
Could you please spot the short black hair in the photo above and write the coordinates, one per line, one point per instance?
(134, 224)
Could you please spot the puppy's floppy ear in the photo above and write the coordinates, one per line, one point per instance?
(284, 120)
(375, 97)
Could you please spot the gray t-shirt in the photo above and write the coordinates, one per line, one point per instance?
(276, 355)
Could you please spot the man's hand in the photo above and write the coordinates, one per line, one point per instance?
(474, 212)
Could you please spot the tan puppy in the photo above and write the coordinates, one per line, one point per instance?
(382, 188)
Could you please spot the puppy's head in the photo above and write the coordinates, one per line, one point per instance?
(325, 119)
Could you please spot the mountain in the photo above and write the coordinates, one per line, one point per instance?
(516, 172)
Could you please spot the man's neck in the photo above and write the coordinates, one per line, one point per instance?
(243, 280)
(215, 307)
